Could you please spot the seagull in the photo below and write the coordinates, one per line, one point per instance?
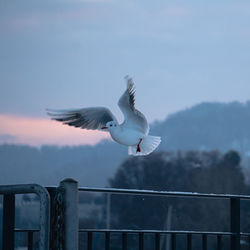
(133, 132)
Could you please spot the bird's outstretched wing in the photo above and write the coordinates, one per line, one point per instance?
(132, 117)
(86, 118)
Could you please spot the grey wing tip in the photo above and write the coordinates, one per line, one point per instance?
(53, 113)
(127, 77)
(130, 83)
(49, 112)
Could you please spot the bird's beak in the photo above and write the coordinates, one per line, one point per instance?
(104, 127)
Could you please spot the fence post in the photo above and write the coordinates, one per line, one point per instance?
(8, 222)
(71, 213)
(235, 223)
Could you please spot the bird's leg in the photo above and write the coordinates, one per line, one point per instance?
(138, 146)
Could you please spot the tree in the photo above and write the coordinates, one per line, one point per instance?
(193, 171)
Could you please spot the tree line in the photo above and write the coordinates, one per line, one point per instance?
(191, 171)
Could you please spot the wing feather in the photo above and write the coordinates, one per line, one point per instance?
(132, 116)
(86, 118)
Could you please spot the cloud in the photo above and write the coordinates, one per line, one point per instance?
(37, 132)
(50, 15)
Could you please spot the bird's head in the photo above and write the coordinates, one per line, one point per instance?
(110, 125)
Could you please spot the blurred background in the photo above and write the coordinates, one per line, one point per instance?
(190, 63)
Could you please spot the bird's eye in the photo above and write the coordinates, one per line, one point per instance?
(111, 125)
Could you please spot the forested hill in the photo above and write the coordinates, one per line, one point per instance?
(206, 126)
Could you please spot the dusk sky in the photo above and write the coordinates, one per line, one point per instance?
(74, 54)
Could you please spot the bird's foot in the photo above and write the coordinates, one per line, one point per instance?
(138, 147)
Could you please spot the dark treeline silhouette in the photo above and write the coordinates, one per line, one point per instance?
(193, 171)
(49, 165)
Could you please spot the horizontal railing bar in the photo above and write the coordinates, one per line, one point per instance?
(244, 234)
(22, 230)
(19, 230)
(131, 231)
(21, 189)
(163, 193)
(158, 231)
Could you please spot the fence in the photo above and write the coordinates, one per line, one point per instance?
(9, 193)
(62, 231)
(234, 233)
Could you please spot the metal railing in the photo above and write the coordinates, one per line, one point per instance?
(67, 195)
(234, 233)
(9, 192)
(30, 236)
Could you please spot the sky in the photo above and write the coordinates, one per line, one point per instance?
(73, 54)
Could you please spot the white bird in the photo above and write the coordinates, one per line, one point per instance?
(133, 132)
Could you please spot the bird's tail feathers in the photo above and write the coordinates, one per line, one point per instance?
(147, 146)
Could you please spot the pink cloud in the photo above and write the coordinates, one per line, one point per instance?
(41, 19)
(38, 131)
